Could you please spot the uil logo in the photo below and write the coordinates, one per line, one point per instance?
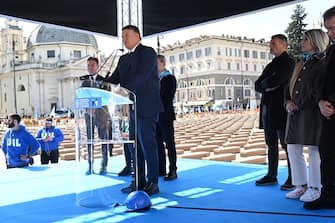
(13, 142)
(46, 134)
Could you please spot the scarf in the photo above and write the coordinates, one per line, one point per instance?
(164, 73)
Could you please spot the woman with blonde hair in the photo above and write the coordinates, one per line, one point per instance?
(304, 120)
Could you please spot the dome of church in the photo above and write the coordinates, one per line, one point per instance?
(50, 34)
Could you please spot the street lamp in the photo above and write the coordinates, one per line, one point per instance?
(14, 78)
(158, 43)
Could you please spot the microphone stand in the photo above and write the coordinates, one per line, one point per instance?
(113, 56)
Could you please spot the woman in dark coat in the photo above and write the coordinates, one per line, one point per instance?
(304, 119)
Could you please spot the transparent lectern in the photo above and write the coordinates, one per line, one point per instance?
(102, 115)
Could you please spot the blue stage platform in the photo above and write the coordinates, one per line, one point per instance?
(205, 191)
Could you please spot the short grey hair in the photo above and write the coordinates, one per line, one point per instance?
(319, 39)
(161, 58)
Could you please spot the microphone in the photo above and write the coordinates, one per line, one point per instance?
(113, 56)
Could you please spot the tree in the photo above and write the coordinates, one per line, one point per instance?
(295, 31)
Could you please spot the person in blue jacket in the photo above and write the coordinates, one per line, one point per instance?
(18, 144)
(49, 137)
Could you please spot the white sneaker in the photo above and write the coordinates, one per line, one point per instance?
(296, 193)
(310, 195)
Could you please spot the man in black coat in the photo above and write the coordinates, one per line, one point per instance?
(137, 72)
(165, 128)
(327, 109)
(273, 115)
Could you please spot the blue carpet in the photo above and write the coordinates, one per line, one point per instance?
(205, 191)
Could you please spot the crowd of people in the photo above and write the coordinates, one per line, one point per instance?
(297, 109)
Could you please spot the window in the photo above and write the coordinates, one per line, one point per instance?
(51, 54)
(255, 67)
(182, 70)
(237, 52)
(5, 97)
(77, 54)
(247, 82)
(229, 52)
(171, 59)
(181, 57)
(246, 53)
(228, 66)
(263, 55)
(208, 51)
(247, 92)
(189, 55)
(199, 93)
(238, 66)
(219, 51)
(246, 67)
(198, 53)
(254, 54)
(173, 70)
(229, 81)
(21, 88)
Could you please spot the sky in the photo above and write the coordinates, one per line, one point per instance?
(258, 25)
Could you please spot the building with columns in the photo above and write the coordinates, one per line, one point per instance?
(217, 71)
(42, 72)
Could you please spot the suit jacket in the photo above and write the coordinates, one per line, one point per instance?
(138, 73)
(168, 86)
(328, 89)
(87, 81)
(275, 77)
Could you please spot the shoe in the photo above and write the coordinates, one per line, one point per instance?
(320, 203)
(125, 172)
(151, 189)
(132, 187)
(296, 193)
(129, 189)
(266, 180)
(103, 171)
(89, 172)
(287, 185)
(311, 194)
(171, 176)
(162, 174)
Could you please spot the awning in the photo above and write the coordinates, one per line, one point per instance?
(158, 16)
(193, 103)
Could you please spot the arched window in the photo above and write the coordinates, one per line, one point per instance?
(247, 82)
(21, 88)
(229, 81)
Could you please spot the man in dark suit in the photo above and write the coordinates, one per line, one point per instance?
(137, 72)
(96, 117)
(273, 115)
(165, 128)
(327, 109)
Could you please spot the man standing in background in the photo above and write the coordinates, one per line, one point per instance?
(273, 115)
(165, 128)
(18, 144)
(49, 138)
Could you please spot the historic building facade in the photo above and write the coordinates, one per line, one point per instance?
(214, 71)
(43, 71)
